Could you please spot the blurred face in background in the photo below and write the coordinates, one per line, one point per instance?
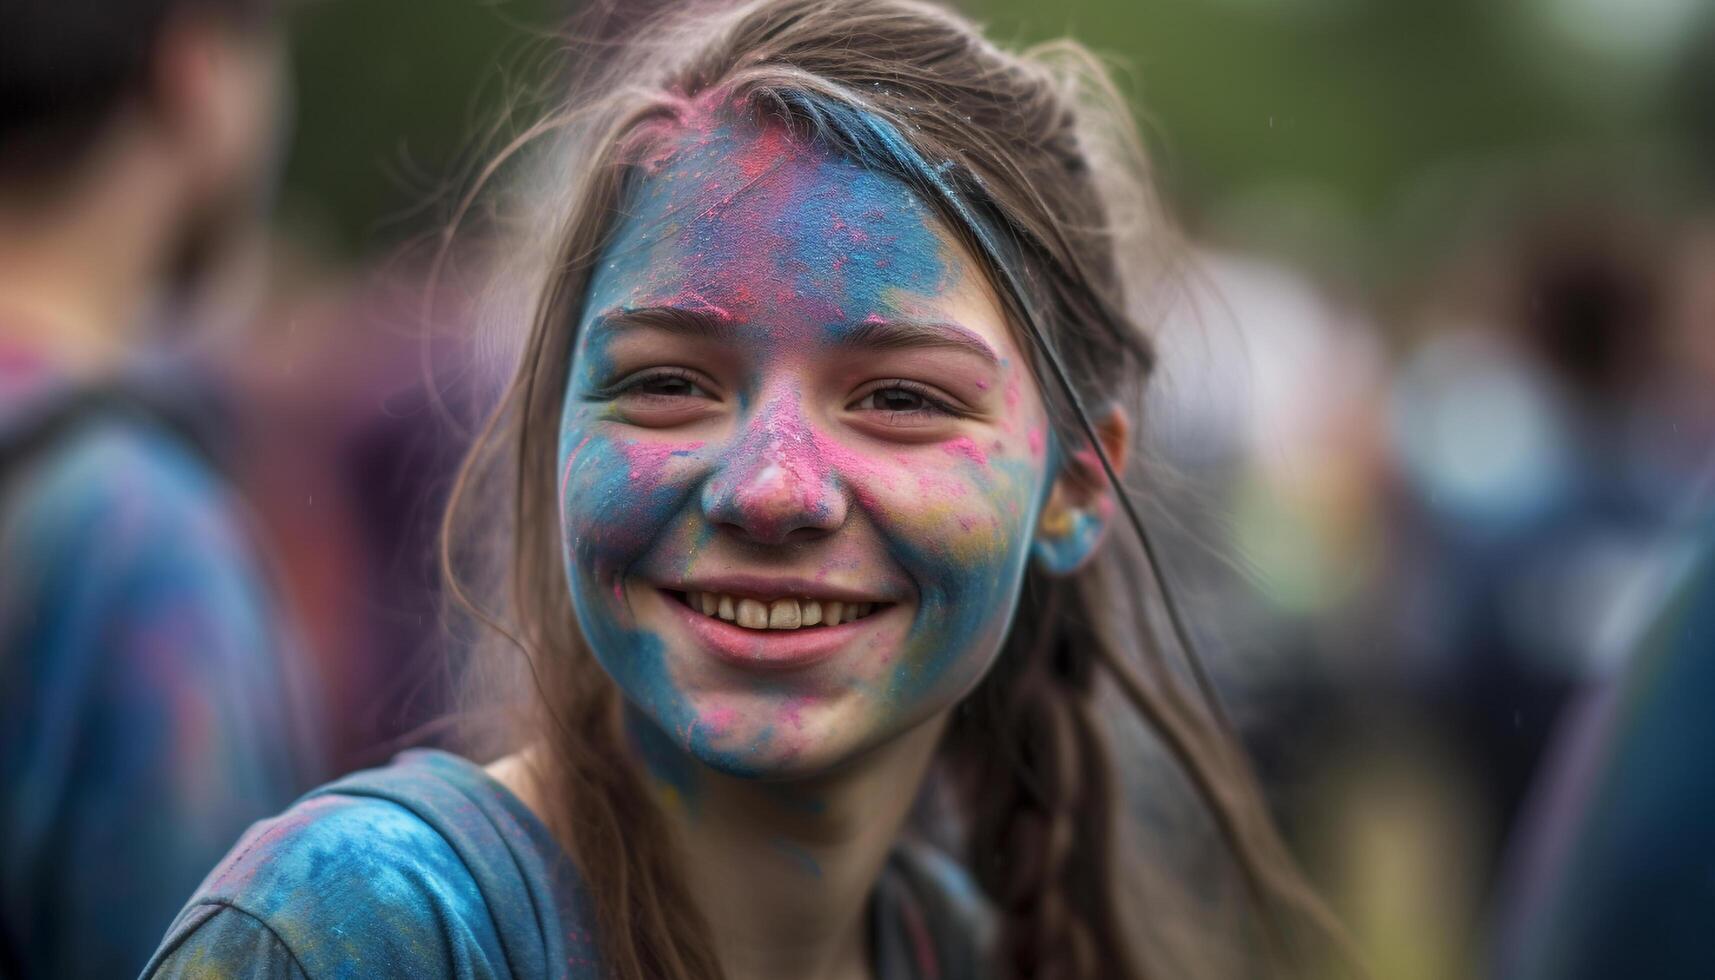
(221, 98)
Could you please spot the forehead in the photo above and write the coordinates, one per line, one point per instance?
(746, 223)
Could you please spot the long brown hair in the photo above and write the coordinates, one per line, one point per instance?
(1034, 162)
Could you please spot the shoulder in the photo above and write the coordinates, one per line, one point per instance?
(128, 566)
(342, 884)
(423, 868)
(123, 480)
(118, 509)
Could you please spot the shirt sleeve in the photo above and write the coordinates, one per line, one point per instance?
(352, 886)
(213, 942)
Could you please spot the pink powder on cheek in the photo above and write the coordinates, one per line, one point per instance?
(964, 446)
(935, 482)
(792, 711)
(718, 721)
(648, 459)
(1035, 439)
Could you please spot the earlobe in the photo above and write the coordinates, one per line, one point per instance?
(1065, 539)
(1081, 505)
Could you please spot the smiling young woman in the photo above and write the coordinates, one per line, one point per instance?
(803, 527)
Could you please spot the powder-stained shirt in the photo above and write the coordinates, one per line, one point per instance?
(429, 868)
(144, 693)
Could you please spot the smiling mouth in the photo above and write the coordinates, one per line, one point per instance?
(775, 614)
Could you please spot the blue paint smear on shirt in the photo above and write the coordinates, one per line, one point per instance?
(429, 868)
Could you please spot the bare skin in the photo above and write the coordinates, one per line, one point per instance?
(78, 270)
(748, 850)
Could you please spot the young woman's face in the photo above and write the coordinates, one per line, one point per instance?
(793, 401)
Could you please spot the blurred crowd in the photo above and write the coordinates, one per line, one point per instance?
(1428, 534)
(1429, 522)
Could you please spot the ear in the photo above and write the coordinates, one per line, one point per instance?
(211, 90)
(184, 75)
(1082, 503)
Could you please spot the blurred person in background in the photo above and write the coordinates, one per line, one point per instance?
(1612, 870)
(150, 707)
(1615, 872)
(1537, 470)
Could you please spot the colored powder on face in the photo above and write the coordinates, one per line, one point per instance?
(776, 476)
(790, 249)
(649, 459)
(718, 721)
(749, 224)
(963, 446)
(667, 765)
(969, 585)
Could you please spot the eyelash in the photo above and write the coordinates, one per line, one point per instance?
(633, 384)
(933, 403)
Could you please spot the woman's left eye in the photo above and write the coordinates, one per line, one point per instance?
(898, 399)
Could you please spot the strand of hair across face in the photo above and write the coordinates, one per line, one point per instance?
(874, 141)
(882, 142)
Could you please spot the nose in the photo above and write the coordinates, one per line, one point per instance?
(774, 484)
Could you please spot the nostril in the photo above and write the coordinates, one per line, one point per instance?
(776, 500)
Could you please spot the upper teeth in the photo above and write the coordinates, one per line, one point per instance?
(779, 614)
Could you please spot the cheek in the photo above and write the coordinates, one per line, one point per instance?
(619, 496)
(958, 518)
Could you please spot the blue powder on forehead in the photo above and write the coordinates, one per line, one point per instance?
(748, 222)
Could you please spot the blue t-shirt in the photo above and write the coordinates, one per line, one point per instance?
(146, 692)
(429, 868)
(1629, 887)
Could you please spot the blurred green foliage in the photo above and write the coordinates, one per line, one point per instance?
(1346, 101)
(392, 99)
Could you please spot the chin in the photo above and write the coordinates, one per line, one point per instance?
(810, 743)
(768, 736)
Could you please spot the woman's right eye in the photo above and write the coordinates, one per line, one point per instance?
(665, 397)
(665, 385)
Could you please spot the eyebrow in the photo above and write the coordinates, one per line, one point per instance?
(872, 334)
(875, 333)
(711, 323)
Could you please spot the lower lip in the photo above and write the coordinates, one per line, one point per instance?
(770, 649)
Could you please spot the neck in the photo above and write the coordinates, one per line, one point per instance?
(79, 264)
(783, 870)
